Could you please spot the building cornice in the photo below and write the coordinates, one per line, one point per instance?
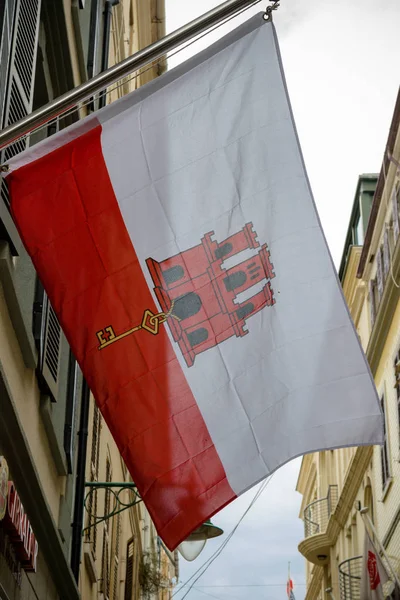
(305, 466)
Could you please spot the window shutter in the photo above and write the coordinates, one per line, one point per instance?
(6, 24)
(105, 566)
(371, 286)
(22, 67)
(129, 570)
(395, 214)
(386, 253)
(19, 31)
(385, 460)
(115, 566)
(50, 348)
(91, 532)
(379, 273)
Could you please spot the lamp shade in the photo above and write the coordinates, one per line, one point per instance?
(191, 550)
(195, 542)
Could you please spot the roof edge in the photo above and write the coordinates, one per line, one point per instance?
(394, 126)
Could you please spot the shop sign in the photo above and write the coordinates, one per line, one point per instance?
(3, 486)
(15, 522)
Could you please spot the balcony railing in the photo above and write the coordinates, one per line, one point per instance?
(350, 578)
(318, 513)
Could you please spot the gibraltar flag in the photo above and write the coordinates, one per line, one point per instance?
(177, 239)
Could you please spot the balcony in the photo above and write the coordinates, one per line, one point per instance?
(318, 513)
(318, 533)
(350, 578)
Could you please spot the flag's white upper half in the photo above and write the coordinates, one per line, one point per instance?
(212, 146)
(213, 150)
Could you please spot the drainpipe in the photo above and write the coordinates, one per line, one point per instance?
(77, 525)
(106, 43)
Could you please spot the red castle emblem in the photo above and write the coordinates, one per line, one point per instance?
(196, 289)
(374, 579)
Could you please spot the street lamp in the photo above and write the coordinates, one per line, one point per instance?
(189, 548)
(195, 542)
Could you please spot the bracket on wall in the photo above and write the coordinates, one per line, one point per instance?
(116, 503)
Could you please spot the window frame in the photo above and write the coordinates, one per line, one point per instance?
(385, 448)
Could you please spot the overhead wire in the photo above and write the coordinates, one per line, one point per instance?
(212, 595)
(216, 554)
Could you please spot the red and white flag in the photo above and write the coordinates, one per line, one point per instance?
(373, 573)
(177, 239)
(289, 590)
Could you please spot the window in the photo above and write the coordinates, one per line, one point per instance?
(386, 253)
(379, 273)
(372, 296)
(48, 339)
(70, 405)
(106, 554)
(358, 231)
(115, 565)
(395, 212)
(397, 383)
(130, 547)
(91, 533)
(385, 464)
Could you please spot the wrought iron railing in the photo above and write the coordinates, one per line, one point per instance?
(318, 513)
(350, 578)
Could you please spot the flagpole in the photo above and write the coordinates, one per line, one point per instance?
(366, 519)
(131, 64)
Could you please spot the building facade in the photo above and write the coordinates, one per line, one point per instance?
(46, 456)
(335, 484)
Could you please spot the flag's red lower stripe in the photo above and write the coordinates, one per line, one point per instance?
(72, 227)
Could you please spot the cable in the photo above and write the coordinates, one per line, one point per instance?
(240, 585)
(211, 595)
(199, 569)
(258, 493)
(225, 543)
(214, 556)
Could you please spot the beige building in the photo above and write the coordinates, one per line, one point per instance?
(334, 484)
(46, 49)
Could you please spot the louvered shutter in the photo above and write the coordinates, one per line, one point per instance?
(371, 286)
(50, 348)
(7, 11)
(129, 570)
(395, 214)
(105, 566)
(18, 52)
(91, 531)
(115, 565)
(379, 273)
(22, 67)
(386, 253)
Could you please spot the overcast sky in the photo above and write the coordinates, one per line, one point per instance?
(341, 60)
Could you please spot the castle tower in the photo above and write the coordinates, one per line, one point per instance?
(203, 294)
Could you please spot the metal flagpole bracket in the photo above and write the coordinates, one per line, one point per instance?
(269, 9)
(4, 168)
(116, 504)
(158, 49)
